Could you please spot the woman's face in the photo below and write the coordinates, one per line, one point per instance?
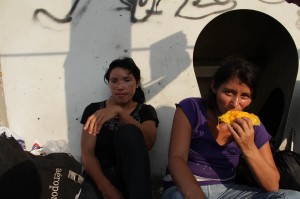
(122, 85)
(232, 95)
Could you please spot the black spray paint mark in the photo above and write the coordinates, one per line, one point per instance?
(132, 6)
(197, 4)
(275, 2)
(67, 18)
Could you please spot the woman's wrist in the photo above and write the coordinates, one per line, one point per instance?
(104, 185)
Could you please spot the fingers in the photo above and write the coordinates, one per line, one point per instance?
(233, 132)
(242, 130)
(242, 125)
(87, 123)
(245, 122)
(95, 121)
(93, 124)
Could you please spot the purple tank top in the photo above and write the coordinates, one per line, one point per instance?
(209, 162)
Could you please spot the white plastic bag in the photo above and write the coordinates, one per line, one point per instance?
(55, 146)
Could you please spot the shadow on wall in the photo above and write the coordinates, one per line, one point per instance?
(94, 42)
(266, 43)
(168, 59)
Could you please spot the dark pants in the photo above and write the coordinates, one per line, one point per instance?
(132, 175)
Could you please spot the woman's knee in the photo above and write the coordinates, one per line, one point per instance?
(129, 134)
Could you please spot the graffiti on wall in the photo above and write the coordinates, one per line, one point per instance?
(66, 19)
(132, 6)
(216, 5)
(198, 7)
(272, 1)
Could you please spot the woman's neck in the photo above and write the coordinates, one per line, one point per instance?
(126, 106)
(213, 114)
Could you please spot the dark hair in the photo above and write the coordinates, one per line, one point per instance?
(234, 66)
(128, 64)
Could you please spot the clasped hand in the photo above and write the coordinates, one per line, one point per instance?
(95, 122)
(243, 133)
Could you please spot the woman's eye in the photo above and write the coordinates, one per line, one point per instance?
(245, 97)
(128, 80)
(228, 92)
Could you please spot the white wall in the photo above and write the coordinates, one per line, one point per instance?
(51, 70)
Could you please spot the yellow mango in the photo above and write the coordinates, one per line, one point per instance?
(231, 115)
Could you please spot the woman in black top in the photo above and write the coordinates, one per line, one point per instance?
(116, 137)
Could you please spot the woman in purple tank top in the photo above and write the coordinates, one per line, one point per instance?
(204, 153)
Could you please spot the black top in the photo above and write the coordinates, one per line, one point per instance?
(105, 149)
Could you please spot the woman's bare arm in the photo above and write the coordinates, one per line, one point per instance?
(261, 160)
(93, 167)
(178, 155)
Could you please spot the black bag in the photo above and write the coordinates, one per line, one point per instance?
(244, 175)
(288, 164)
(19, 178)
(60, 175)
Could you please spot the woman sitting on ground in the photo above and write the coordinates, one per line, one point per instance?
(116, 137)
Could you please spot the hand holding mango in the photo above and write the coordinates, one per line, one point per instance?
(231, 115)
